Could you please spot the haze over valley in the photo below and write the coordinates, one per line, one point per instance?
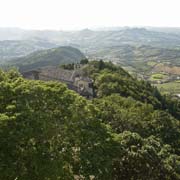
(143, 52)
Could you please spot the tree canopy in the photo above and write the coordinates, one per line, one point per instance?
(49, 132)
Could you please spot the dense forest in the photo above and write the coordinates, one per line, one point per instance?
(129, 131)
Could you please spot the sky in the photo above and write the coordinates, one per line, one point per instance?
(80, 14)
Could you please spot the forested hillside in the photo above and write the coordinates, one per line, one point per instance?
(111, 79)
(49, 57)
(129, 131)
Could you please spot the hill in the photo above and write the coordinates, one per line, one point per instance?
(16, 48)
(49, 57)
(138, 56)
(112, 79)
(140, 43)
(166, 69)
(98, 38)
(138, 50)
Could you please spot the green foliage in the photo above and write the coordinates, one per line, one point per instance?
(169, 87)
(142, 159)
(48, 132)
(110, 79)
(51, 133)
(84, 61)
(68, 66)
(158, 76)
(124, 114)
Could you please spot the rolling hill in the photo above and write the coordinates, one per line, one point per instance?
(143, 52)
(17, 48)
(132, 47)
(43, 58)
(97, 38)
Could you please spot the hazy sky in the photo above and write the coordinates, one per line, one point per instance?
(77, 14)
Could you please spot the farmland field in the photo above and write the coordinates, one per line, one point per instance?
(158, 76)
(171, 87)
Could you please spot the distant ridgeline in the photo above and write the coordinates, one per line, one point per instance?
(74, 79)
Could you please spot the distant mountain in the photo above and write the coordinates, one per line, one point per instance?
(175, 30)
(50, 57)
(135, 36)
(127, 45)
(90, 39)
(16, 48)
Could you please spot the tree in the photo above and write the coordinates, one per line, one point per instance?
(141, 159)
(49, 132)
(126, 114)
(84, 61)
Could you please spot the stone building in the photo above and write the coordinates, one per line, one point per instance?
(73, 78)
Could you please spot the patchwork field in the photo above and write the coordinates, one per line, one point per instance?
(171, 87)
(166, 68)
(158, 76)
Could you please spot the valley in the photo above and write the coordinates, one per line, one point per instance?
(151, 54)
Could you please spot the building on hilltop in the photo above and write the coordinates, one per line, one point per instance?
(34, 74)
(72, 78)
